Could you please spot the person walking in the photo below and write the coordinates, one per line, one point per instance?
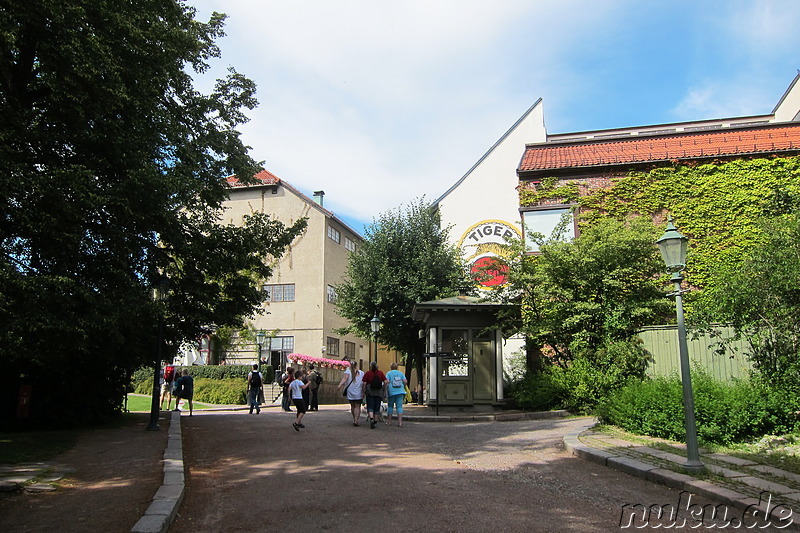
(184, 390)
(296, 388)
(286, 379)
(255, 388)
(373, 383)
(352, 387)
(315, 378)
(167, 378)
(396, 391)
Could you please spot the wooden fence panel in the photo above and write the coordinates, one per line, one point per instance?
(661, 342)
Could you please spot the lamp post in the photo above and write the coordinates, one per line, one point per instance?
(674, 246)
(375, 326)
(159, 295)
(260, 336)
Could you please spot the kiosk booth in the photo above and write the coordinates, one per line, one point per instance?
(465, 351)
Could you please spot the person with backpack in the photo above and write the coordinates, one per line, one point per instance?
(184, 389)
(255, 387)
(167, 377)
(396, 391)
(315, 378)
(373, 384)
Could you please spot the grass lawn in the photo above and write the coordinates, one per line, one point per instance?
(142, 403)
(34, 446)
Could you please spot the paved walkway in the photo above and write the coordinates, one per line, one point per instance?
(771, 493)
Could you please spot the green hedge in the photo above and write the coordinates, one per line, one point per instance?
(219, 385)
(726, 412)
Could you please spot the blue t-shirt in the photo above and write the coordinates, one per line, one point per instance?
(396, 385)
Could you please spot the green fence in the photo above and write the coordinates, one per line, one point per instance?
(662, 344)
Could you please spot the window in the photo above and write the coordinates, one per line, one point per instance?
(334, 234)
(350, 350)
(350, 244)
(550, 223)
(279, 293)
(283, 344)
(331, 294)
(333, 346)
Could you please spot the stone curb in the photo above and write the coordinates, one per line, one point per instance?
(164, 507)
(673, 480)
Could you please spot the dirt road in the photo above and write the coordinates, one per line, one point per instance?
(255, 473)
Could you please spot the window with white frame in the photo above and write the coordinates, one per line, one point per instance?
(334, 234)
(557, 223)
(279, 293)
(331, 294)
(350, 244)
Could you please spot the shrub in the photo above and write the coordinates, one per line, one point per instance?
(538, 392)
(219, 385)
(726, 412)
(220, 391)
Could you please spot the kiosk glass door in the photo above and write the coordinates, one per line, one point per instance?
(454, 375)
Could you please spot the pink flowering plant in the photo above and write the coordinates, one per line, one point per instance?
(300, 359)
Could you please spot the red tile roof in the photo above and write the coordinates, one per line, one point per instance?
(699, 145)
(265, 177)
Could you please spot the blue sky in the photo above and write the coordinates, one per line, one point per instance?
(378, 103)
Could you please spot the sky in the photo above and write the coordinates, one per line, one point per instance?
(379, 103)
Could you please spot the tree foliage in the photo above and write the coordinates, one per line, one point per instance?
(406, 258)
(602, 286)
(112, 171)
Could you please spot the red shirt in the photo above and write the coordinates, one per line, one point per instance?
(369, 375)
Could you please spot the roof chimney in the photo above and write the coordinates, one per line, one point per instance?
(318, 196)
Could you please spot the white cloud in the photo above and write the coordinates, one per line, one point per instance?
(381, 102)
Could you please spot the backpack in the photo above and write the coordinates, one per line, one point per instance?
(397, 380)
(169, 373)
(318, 378)
(377, 382)
(255, 380)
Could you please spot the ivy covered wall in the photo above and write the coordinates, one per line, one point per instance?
(716, 204)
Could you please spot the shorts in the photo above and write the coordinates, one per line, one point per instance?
(166, 388)
(300, 404)
(396, 401)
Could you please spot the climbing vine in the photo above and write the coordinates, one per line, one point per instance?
(716, 204)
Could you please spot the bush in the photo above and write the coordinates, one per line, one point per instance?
(726, 412)
(219, 385)
(538, 392)
(586, 381)
(220, 391)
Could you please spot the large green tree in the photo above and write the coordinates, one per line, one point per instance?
(406, 258)
(599, 287)
(580, 304)
(112, 170)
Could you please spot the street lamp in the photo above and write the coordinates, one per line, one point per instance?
(674, 246)
(159, 295)
(375, 326)
(260, 336)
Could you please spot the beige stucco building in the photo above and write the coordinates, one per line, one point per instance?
(299, 314)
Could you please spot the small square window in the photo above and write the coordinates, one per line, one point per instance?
(547, 222)
(334, 234)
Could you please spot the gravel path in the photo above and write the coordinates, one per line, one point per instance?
(255, 473)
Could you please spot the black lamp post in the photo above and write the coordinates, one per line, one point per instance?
(159, 295)
(375, 326)
(260, 336)
(674, 246)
